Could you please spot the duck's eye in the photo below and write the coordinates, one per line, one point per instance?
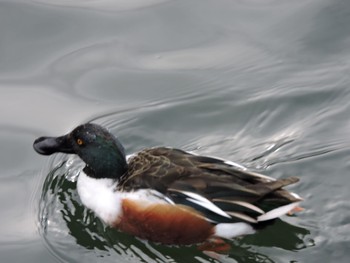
(80, 142)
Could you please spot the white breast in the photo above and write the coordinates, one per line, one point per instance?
(100, 196)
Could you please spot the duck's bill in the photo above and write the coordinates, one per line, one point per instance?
(50, 145)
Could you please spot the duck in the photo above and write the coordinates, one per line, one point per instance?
(168, 195)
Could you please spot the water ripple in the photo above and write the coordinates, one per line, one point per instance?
(104, 5)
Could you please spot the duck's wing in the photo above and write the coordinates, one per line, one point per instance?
(221, 190)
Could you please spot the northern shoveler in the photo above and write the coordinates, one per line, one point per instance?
(169, 195)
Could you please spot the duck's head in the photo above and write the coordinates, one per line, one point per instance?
(99, 149)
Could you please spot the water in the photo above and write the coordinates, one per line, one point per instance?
(263, 83)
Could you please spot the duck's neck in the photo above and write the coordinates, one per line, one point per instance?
(106, 162)
(105, 172)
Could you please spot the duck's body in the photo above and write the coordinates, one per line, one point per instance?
(168, 195)
(144, 213)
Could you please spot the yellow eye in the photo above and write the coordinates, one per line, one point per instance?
(80, 142)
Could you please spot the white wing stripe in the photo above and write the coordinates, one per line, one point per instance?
(241, 203)
(277, 212)
(244, 217)
(202, 201)
(210, 206)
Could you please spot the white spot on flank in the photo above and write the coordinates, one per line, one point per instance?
(231, 230)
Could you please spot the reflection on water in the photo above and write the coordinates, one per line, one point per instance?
(69, 229)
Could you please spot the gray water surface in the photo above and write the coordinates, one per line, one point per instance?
(262, 83)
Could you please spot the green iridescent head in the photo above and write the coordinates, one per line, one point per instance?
(102, 152)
